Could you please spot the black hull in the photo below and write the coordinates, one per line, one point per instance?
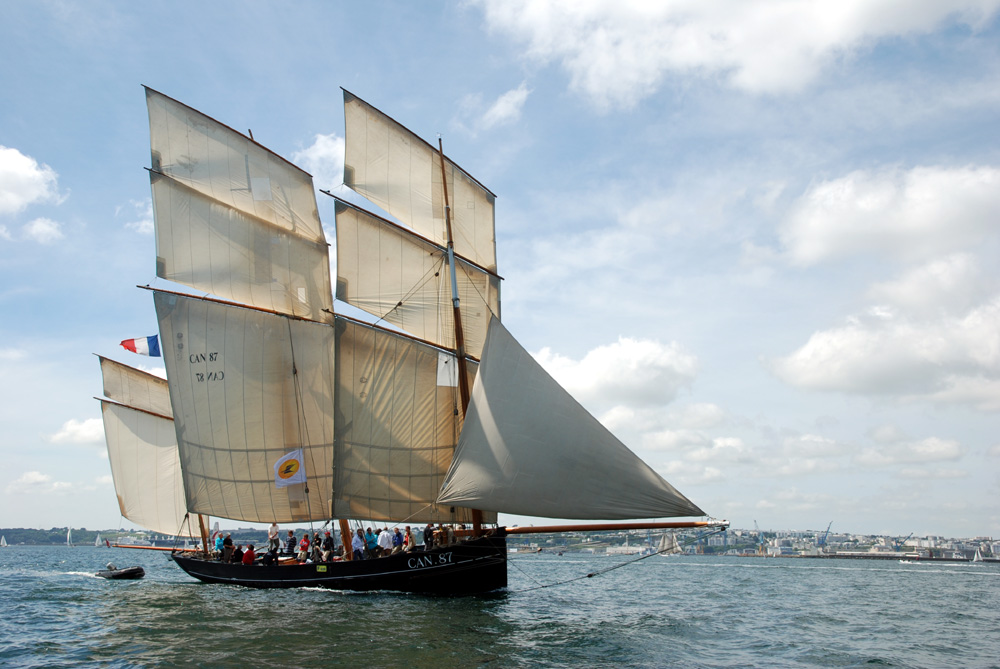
(466, 568)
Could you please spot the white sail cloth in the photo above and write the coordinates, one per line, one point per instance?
(142, 449)
(247, 387)
(401, 173)
(243, 222)
(397, 430)
(528, 448)
(404, 279)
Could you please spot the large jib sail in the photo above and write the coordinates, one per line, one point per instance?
(529, 448)
(142, 449)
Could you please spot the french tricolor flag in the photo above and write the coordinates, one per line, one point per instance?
(143, 345)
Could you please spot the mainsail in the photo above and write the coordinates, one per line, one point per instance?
(142, 449)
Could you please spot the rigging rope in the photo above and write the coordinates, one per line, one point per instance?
(601, 572)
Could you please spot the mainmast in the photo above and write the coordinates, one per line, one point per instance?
(463, 378)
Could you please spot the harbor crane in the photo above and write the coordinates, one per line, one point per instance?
(821, 542)
(760, 539)
(900, 544)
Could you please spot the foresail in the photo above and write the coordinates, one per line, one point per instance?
(528, 448)
(401, 173)
(403, 279)
(142, 449)
(249, 388)
(232, 218)
(398, 424)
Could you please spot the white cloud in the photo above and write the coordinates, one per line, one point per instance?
(12, 354)
(43, 231)
(700, 415)
(912, 214)
(618, 52)
(931, 449)
(813, 446)
(142, 213)
(89, 431)
(637, 372)
(936, 473)
(37, 482)
(951, 284)
(887, 434)
(324, 159)
(950, 360)
(23, 181)
(507, 108)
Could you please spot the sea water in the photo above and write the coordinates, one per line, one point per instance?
(678, 611)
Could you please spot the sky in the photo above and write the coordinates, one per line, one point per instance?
(758, 240)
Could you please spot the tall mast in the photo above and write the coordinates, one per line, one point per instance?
(463, 379)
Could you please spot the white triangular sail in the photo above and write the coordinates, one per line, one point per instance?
(528, 448)
(403, 279)
(668, 544)
(3, 541)
(243, 222)
(142, 449)
(247, 387)
(401, 173)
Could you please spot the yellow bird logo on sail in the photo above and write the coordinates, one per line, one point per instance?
(288, 469)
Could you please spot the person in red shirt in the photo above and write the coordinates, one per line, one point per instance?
(248, 555)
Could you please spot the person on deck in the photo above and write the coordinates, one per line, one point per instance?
(328, 547)
(384, 542)
(409, 543)
(218, 545)
(371, 543)
(248, 556)
(270, 558)
(317, 548)
(227, 548)
(237, 554)
(397, 540)
(290, 543)
(272, 537)
(304, 545)
(428, 537)
(358, 545)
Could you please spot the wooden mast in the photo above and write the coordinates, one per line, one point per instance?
(463, 378)
(204, 534)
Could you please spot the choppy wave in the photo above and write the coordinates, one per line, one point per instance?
(682, 611)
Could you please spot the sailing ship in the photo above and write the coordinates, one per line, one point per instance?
(424, 411)
(3, 541)
(668, 544)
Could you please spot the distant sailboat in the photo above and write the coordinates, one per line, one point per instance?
(3, 541)
(668, 544)
(97, 540)
(978, 557)
(69, 536)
